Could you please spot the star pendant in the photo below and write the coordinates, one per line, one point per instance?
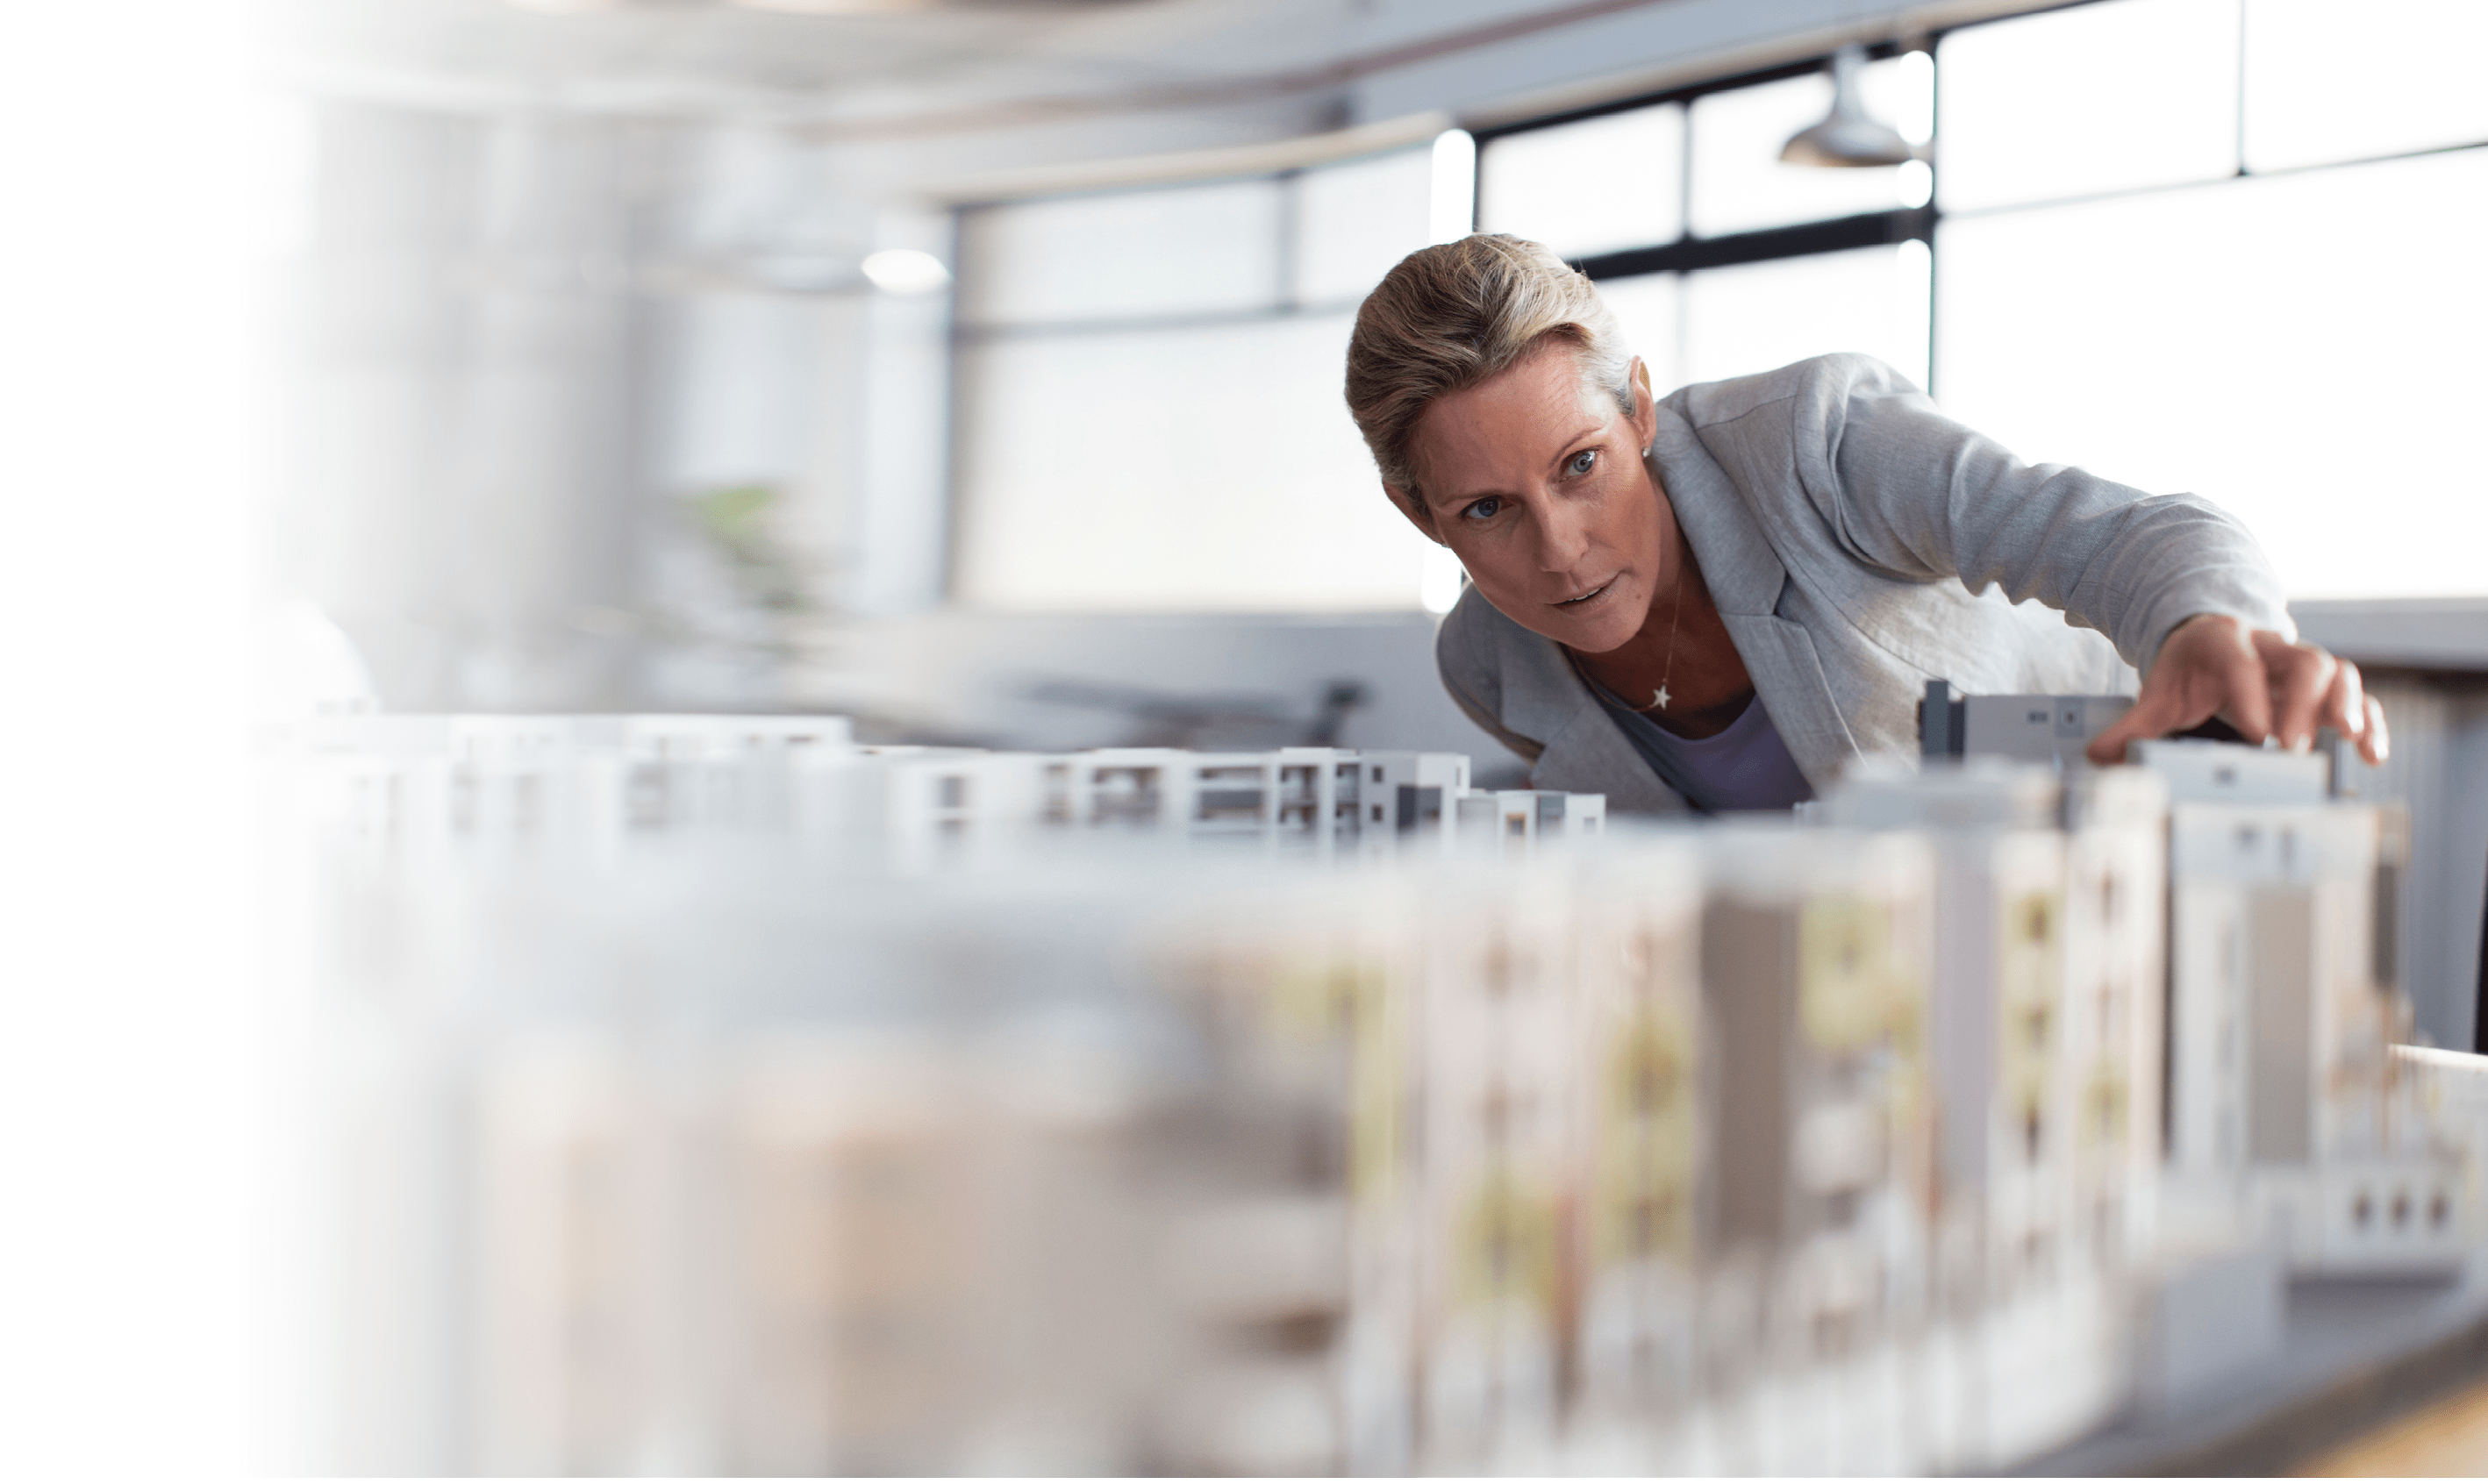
(1660, 700)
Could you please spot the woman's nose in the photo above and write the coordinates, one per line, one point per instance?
(1563, 536)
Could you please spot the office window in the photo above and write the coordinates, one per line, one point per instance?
(1199, 249)
(1589, 187)
(2300, 348)
(1758, 315)
(1739, 183)
(1650, 311)
(1177, 470)
(2096, 97)
(1150, 398)
(1354, 222)
(2325, 82)
(2119, 286)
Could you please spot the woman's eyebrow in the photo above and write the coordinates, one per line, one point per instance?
(1450, 501)
(1563, 451)
(1572, 444)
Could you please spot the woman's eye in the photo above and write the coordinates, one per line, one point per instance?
(1580, 463)
(1483, 510)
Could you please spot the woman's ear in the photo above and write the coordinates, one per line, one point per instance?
(1645, 419)
(1418, 515)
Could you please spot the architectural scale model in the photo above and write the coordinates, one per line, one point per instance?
(2282, 998)
(770, 1104)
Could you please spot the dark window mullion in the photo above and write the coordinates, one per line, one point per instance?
(1691, 254)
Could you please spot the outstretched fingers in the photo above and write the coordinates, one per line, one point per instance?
(2345, 704)
(2376, 741)
(2301, 680)
(2156, 712)
(2238, 677)
(2209, 665)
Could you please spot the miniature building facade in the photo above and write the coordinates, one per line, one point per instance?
(820, 1108)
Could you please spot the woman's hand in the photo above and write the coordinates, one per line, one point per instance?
(2254, 680)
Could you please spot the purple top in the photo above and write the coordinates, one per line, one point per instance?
(1746, 767)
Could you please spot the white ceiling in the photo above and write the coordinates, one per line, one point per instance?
(908, 97)
(699, 57)
(905, 98)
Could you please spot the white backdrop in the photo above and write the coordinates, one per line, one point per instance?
(2303, 350)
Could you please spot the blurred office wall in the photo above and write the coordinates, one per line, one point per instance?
(586, 403)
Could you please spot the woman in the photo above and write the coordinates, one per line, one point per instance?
(1719, 598)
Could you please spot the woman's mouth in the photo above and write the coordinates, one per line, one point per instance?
(1574, 602)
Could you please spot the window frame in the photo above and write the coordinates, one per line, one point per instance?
(1690, 252)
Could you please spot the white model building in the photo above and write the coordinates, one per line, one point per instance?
(2282, 1014)
(1641, 1096)
(1493, 1178)
(1997, 1010)
(2051, 730)
(1318, 801)
(603, 780)
(1409, 800)
(2114, 1007)
(1817, 948)
(968, 809)
(1723, 1149)
(1516, 818)
(1263, 797)
(2281, 1003)
(2035, 1047)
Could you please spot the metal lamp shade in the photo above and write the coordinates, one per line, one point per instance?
(1849, 138)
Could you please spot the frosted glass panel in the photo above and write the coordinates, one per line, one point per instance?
(2327, 82)
(1763, 314)
(2300, 348)
(1592, 186)
(1739, 183)
(1355, 221)
(1175, 470)
(1200, 248)
(2098, 98)
(1648, 310)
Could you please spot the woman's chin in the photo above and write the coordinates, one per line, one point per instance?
(1597, 635)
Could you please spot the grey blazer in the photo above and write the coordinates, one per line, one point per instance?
(1860, 544)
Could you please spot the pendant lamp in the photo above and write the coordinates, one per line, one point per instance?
(1850, 137)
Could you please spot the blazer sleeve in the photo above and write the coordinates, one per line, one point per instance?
(1913, 492)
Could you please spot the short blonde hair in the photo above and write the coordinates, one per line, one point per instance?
(1453, 314)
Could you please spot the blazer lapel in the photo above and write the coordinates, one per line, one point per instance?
(1581, 750)
(1590, 755)
(1746, 578)
(1789, 680)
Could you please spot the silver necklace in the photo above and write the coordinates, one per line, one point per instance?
(1675, 609)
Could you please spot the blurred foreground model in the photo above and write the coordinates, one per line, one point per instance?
(713, 1095)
